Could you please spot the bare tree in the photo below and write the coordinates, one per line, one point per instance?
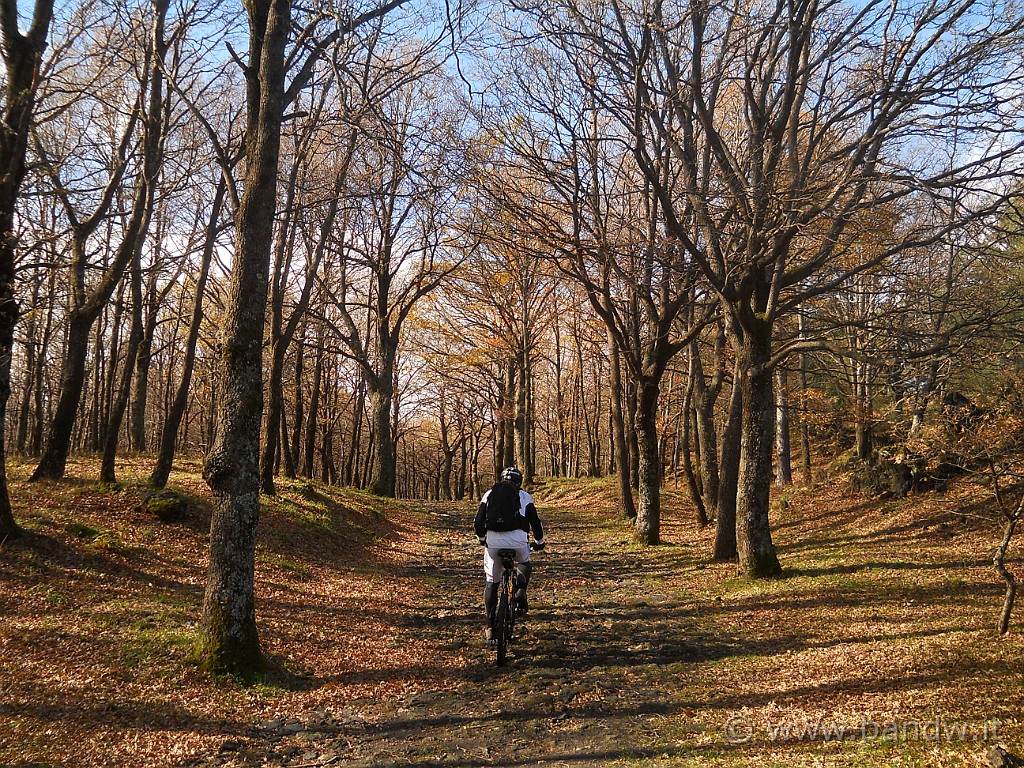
(22, 55)
(228, 637)
(89, 296)
(310, 225)
(1012, 514)
(154, 119)
(397, 247)
(176, 412)
(788, 124)
(600, 220)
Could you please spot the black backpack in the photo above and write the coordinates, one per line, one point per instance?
(503, 508)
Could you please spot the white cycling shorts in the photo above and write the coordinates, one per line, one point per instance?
(492, 563)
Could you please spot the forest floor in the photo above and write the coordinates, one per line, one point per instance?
(876, 648)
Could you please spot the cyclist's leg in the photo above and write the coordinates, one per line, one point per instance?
(492, 564)
(523, 570)
(492, 573)
(490, 600)
(490, 606)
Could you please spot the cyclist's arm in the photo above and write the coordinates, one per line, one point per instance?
(534, 520)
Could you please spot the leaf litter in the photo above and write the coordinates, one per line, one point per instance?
(369, 612)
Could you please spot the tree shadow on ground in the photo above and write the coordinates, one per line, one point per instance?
(861, 567)
(55, 559)
(124, 713)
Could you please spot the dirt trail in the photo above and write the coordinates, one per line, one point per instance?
(587, 683)
(653, 656)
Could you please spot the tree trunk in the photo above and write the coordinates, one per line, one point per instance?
(299, 420)
(648, 517)
(862, 405)
(445, 474)
(275, 404)
(9, 528)
(524, 416)
(519, 416)
(627, 506)
(112, 431)
(40, 413)
(22, 55)
(783, 458)
(330, 470)
(229, 641)
(999, 560)
(684, 448)
(585, 418)
(169, 436)
(309, 449)
(355, 437)
(704, 401)
(460, 478)
(32, 355)
(561, 459)
(805, 428)
(864, 442)
(923, 395)
(143, 362)
(352, 459)
(509, 457)
(725, 530)
(287, 457)
(72, 380)
(632, 435)
(140, 396)
(382, 400)
(753, 533)
(108, 351)
(499, 442)
(448, 452)
(1010, 595)
(368, 459)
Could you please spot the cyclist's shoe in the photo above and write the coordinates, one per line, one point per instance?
(489, 636)
(522, 607)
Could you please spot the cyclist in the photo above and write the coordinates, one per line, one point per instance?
(504, 520)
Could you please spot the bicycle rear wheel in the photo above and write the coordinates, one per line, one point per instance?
(504, 618)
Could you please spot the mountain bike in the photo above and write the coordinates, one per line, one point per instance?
(505, 613)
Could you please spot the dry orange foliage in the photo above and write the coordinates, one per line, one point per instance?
(99, 604)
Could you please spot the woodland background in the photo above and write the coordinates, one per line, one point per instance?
(703, 245)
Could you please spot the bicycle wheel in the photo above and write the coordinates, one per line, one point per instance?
(501, 618)
(509, 588)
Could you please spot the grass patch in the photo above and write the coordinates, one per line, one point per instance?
(82, 531)
(156, 634)
(276, 560)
